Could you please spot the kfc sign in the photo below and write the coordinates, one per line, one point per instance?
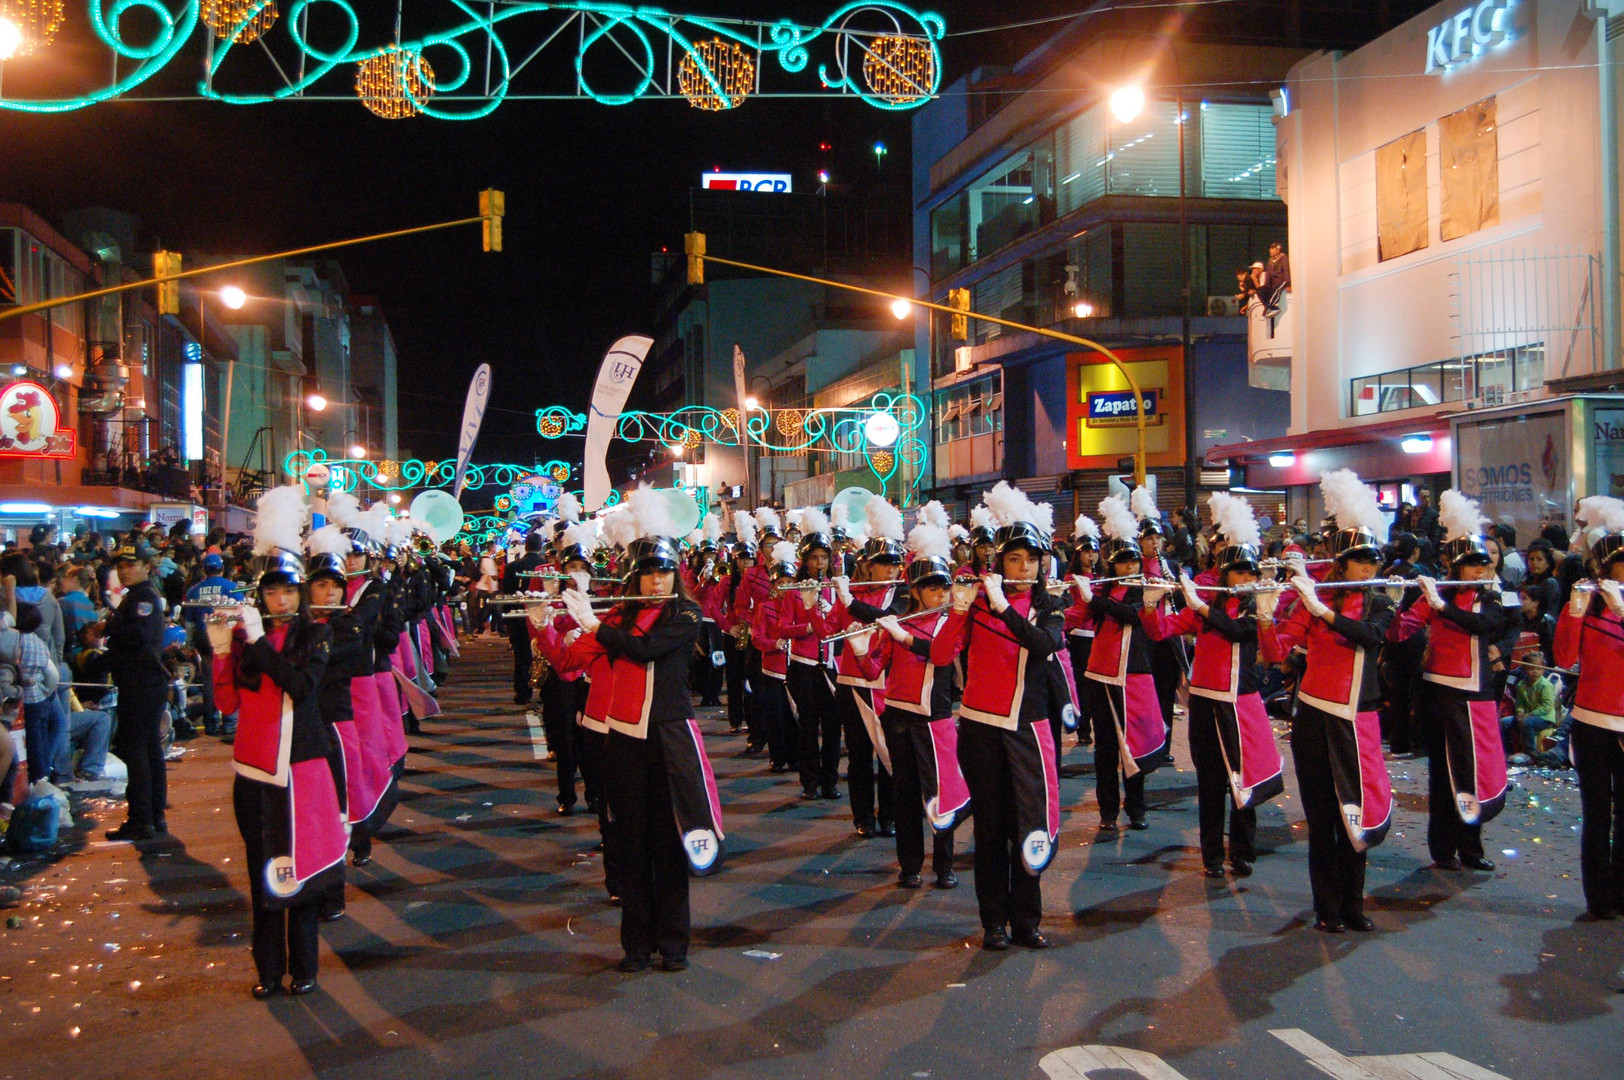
(778, 183)
(29, 423)
(1473, 29)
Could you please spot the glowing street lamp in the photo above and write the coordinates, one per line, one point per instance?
(233, 297)
(316, 403)
(1127, 102)
(358, 452)
(901, 308)
(751, 404)
(11, 38)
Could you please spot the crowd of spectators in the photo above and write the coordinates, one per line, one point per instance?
(1264, 283)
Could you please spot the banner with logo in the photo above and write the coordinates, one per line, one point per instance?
(1518, 469)
(741, 392)
(473, 414)
(615, 378)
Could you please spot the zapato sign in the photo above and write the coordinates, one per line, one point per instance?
(1109, 408)
(1472, 30)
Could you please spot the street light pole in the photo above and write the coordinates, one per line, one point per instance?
(1192, 473)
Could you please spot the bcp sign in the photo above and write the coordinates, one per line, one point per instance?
(1472, 30)
(778, 183)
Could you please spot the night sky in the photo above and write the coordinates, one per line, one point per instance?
(591, 191)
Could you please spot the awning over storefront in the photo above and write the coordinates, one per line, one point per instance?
(1392, 450)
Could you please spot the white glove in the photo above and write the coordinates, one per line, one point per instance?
(1084, 589)
(824, 607)
(582, 580)
(1191, 596)
(1268, 600)
(1429, 589)
(1154, 595)
(995, 592)
(539, 615)
(898, 632)
(1395, 593)
(1578, 601)
(253, 624)
(581, 610)
(1614, 597)
(569, 638)
(1311, 601)
(843, 589)
(1296, 564)
(964, 594)
(859, 642)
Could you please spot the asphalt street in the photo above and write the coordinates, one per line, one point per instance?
(479, 944)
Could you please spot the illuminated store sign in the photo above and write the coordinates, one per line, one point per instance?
(1473, 30)
(728, 181)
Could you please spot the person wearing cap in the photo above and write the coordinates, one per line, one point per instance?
(349, 657)
(1590, 633)
(1080, 622)
(135, 643)
(514, 580)
(377, 709)
(736, 646)
(1168, 661)
(1006, 749)
(801, 622)
(654, 756)
(1335, 729)
(774, 724)
(213, 588)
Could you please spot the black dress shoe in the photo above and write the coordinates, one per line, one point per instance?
(261, 991)
(127, 831)
(1601, 914)
(332, 916)
(1108, 826)
(1475, 862)
(866, 830)
(631, 965)
(1448, 863)
(995, 940)
(161, 826)
(887, 829)
(1213, 870)
(1359, 924)
(909, 881)
(1138, 824)
(301, 987)
(809, 794)
(673, 963)
(949, 880)
(1030, 938)
(566, 809)
(360, 859)
(1327, 925)
(778, 769)
(1241, 867)
(830, 793)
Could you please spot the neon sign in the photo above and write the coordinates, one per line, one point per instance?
(1472, 30)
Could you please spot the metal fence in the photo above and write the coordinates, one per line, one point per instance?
(1510, 300)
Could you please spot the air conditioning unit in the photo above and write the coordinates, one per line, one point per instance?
(962, 361)
(1223, 305)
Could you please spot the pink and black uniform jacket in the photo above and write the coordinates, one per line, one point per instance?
(1119, 637)
(1225, 663)
(755, 586)
(1004, 682)
(765, 634)
(1458, 640)
(912, 683)
(1080, 621)
(1595, 641)
(1341, 674)
(583, 656)
(891, 600)
(649, 654)
(800, 622)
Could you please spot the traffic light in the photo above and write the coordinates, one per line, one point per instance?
(167, 264)
(694, 244)
(959, 301)
(492, 205)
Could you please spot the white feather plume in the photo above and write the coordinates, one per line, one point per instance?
(713, 527)
(934, 513)
(1234, 519)
(1351, 501)
(1043, 517)
(651, 512)
(839, 515)
(784, 552)
(767, 518)
(1116, 519)
(859, 533)
(568, 507)
(884, 520)
(342, 508)
(374, 521)
(1009, 504)
(1143, 504)
(981, 518)
(1084, 526)
(958, 532)
(282, 514)
(619, 527)
(1460, 516)
(792, 518)
(328, 540)
(813, 520)
(1596, 511)
(581, 533)
(928, 540)
(694, 537)
(744, 527)
(400, 531)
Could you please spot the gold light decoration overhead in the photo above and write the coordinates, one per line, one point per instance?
(731, 418)
(730, 65)
(561, 473)
(395, 83)
(900, 69)
(789, 422)
(883, 461)
(388, 469)
(38, 21)
(240, 21)
(692, 438)
(551, 425)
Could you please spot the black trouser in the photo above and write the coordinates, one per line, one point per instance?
(137, 741)
(654, 903)
(1213, 795)
(910, 806)
(558, 721)
(757, 733)
(734, 672)
(284, 939)
(1336, 872)
(519, 635)
(1167, 664)
(861, 763)
(592, 765)
(1007, 895)
(1599, 757)
(1401, 720)
(1080, 648)
(773, 724)
(819, 751)
(1447, 835)
(1106, 703)
(709, 676)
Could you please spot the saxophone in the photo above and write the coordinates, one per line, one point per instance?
(539, 670)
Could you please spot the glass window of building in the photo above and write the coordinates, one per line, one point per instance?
(949, 237)
(1011, 200)
(1237, 151)
(1001, 294)
(1151, 257)
(1080, 160)
(8, 267)
(1143, 156)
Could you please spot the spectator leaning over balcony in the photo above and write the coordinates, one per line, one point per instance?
(1278, 279)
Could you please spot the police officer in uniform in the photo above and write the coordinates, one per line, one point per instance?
(135, 633)
(514, 580)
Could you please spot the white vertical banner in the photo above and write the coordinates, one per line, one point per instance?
(615, 378)
(740, 391)
(473, 413)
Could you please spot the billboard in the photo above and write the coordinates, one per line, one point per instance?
(1518, 468)
(778, 183)
(1101, 419)
(30, 423)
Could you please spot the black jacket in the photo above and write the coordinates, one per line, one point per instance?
(135, 640)
(298, 668)
(666, 645)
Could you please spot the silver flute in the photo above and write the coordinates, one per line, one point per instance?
(866, 627)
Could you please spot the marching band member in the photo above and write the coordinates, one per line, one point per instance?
(660, 787)
(742, 657)
(1130, 739)
(710, 590)
(775, 713)
(1590, 632)
(1336, 742)
(1080, 624)
(1006, 750)
(377, 708)
(287, 797)
(984, 551)
(918, 708)
(809, 689)
(1167, 658)
(1466, 760)
(1236, 760)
